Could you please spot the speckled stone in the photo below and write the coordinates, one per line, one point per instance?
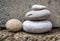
(13, 25)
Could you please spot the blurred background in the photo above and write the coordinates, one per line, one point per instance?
(18, 8)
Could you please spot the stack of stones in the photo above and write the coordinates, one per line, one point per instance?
(37, 20)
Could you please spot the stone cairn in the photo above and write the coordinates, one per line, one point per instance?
(37, 20)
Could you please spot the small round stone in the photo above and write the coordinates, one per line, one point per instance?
(38, 15)
(38, 7)
(13, 25)
(37, 26)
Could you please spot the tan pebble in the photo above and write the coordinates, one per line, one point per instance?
(13, 25)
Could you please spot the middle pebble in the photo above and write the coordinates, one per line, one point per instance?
(38, 15)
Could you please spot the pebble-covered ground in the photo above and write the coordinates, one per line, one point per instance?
(53, 35)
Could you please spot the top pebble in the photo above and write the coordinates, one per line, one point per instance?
(38, 7)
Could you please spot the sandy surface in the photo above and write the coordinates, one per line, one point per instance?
(53, 35)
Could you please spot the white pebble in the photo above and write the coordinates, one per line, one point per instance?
(38, 7)
(38, 15)
(37, 26)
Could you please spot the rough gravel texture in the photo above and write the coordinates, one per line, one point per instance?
(53, 35)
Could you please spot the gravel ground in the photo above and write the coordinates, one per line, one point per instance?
(53, 35)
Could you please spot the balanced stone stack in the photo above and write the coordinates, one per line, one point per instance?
(36, 20)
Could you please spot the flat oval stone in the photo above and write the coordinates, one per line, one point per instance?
(38, 15)
(37, 26)
(38, 7)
